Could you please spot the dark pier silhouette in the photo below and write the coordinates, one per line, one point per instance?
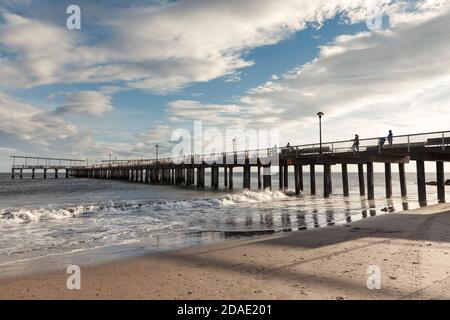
(190, 170)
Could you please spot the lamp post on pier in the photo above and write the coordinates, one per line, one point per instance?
(320, 114)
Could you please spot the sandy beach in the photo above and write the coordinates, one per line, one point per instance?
(411, 248)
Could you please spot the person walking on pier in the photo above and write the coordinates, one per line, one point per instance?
(355, 146)
(390, 138)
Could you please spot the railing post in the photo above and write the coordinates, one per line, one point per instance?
(409, 147)
(443, 141)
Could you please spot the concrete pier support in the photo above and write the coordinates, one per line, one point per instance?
(421, 183)
(198, 178)
(370, 182)
(440, 181)
(327, 180)
(56, 173)
(286, 177)
(67, 173)
(225, 176)
(230, 176)
(267, 178)
(215, 177)
(300, 177)
(32, 173)
(312, 178)
(12, 173)
(246, 177)
(362, 188)
(201, 177)
(280, 177)
(402, 176)
(296, 179)
(388, 179)
(21, 174)
(192, 174)
(259, 178)
(188, 177)
(345, 180)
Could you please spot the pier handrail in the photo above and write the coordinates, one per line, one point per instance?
(333, 147)
(46, 158)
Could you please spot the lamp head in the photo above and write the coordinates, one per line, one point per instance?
(320, 114)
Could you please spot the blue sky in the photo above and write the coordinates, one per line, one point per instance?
(138, 70)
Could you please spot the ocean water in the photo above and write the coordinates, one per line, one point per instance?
(48, 224)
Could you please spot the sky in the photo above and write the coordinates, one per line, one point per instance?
(140, 73)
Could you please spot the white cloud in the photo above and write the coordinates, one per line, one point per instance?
(211, 114)
(30, 123)
(160, 48)
(84, 102)
(397, 78)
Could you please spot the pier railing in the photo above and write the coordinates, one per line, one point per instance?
(28, 162)
(406, 142)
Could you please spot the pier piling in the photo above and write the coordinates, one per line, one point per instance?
(230, 182)
(362, 189)
(286, 177)
(267, 178)
(421, 183)
(300, 176)
(312, 177)
(327, 180)
(345, 179)
(281, 176)
(402, 176)
(296, 179)
(440, 181)
(370, 182)
(225, 176)
(259, 178)
(388, 179)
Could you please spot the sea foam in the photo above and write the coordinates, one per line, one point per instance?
(27, 215)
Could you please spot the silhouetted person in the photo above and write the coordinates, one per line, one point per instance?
(390, 138)
(381, 142)
(355, 146)
(288, 147)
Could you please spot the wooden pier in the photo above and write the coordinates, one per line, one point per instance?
(44, 165)
(420, 148)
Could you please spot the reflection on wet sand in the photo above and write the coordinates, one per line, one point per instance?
(364, 208)
(405, 204)
(372, 206)
(286, 221)
(315, 217)
(348, 211)
(330, 217)
(301, 221)
(310, 213)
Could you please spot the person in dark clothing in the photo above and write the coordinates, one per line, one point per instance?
(355, 146)
(390, 138)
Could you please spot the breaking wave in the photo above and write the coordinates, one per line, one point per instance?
(246, 197)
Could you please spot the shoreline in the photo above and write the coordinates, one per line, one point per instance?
(411, 248)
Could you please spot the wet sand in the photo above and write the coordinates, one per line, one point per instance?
(412, 250)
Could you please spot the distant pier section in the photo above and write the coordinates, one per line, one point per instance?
(190, 170)
(40, 164)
